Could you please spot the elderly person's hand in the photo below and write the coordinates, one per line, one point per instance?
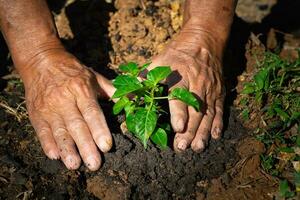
(195, 55)
(199, 70)
(61, 98)
(61, 93)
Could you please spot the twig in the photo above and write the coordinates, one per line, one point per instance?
(143, 4)
(15, 111)
(3, 179)
(25, 194)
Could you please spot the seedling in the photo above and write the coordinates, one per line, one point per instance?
(273, 92)
(140, 99)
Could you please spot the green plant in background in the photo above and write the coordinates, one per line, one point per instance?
(140, 101)
(274, 92)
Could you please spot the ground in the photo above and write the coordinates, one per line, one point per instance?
(103, 35)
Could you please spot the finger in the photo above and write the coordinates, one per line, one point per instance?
(179, 111)
(80, 133)
(95, 119)
(45, 137)
(217, 124)
(183, 140)
(179, 115)
(106, 89)
(65, 143)
(203, 132)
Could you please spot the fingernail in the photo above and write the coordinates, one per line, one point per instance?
(182, 145)
(105, 145)
(216, 133)
(92, 163)
(72, 162)
(53, 155)
(200, 146)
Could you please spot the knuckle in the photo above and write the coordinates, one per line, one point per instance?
(77, 83)
(219, 111)
(60, 131)
(42, 132)
(91, 108)
(204, 131)
(191, 133)
(82, 87)
(76, 124)
(210, 111)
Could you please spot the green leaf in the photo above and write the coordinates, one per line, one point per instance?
(245, 114)
(267, 162)
(160, 91)
(158, 74)
(284, 190)
(147, 99)
(130, 68)
(125, 84)
(297, 181)
(166, 127)
(129, 108)
(160, 138)
(298, 140)
(282, 114)
(248, 89)
(260, 78)
(185, 96)
(295, 116)
(244, 101)
(258, 96)
(267, 82)
(286, 149)
(142, 124)
(120, 104)
(148, 83)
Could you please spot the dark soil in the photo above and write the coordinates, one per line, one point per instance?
(129, 171)
(156, 174)
(133, 171)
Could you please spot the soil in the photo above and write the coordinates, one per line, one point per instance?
(228, 169)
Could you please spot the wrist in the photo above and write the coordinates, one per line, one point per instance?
(196, 40)
(40, 61)
(218, 33)
(27, 50)
(210, 20)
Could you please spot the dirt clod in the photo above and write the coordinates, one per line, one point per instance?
(114, 190)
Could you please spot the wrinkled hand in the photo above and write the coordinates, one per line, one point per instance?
(194, 56)
(61, 97)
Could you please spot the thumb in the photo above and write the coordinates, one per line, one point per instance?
(106, 89)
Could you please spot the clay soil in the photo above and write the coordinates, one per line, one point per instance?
(103, 35)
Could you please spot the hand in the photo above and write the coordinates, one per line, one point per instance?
(194, 56)
(61, 98)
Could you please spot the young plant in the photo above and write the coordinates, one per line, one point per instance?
(140, 99)
(273, 93)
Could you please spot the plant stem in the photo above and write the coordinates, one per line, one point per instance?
(152, 98)
(166, 97)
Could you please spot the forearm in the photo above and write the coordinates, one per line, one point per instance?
(211, 15)
(206, 26)
(29, 30)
